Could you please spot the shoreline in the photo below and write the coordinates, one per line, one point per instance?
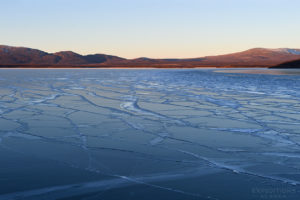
(75, 67)
(111, 68)
(129, 66)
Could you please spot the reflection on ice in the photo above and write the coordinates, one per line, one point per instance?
(115, 182)
(101, 130)
(288, 155)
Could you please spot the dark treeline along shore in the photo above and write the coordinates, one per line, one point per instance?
(290, 65)
(21, 57)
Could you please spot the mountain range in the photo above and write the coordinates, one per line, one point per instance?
(257, 57)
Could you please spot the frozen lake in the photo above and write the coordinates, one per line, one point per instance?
(152, 134)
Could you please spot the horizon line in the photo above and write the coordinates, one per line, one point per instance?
(161, 58)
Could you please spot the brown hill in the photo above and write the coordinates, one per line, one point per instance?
(21, 55)
(257, 56)
(27, 56)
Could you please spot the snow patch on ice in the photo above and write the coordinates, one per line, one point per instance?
(52, 97)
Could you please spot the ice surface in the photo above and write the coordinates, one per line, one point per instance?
(145, 127)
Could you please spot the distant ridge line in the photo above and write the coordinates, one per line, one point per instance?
(12, 57)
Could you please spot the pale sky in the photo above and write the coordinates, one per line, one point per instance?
(150, 28)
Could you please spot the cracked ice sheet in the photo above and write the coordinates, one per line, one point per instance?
(124, 126)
